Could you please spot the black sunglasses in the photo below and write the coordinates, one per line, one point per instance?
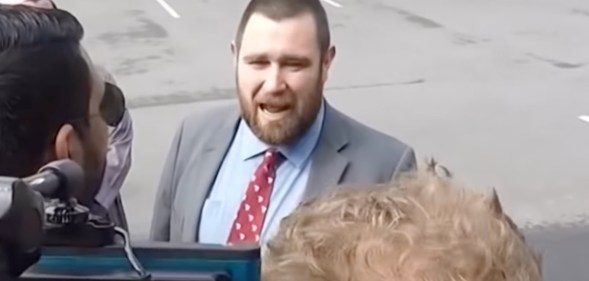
(112, 106)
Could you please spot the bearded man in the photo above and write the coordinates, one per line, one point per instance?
(234, 171)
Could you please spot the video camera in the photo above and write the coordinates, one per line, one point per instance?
(27, 222)
(46, 235)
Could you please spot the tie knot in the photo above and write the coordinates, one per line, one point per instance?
(271, 157)
(271, 153)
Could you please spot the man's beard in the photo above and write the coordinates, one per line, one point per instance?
(302, 114)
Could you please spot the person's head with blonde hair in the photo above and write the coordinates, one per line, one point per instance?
(423, 227)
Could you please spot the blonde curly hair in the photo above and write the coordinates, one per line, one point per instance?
(423, 227)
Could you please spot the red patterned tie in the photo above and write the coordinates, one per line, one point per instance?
(250, 217)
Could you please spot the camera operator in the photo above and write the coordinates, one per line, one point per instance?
(107, 199)
(50, 96)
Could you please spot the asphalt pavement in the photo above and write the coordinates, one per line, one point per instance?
(495, 90)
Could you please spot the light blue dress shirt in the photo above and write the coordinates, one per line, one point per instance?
(243, 158)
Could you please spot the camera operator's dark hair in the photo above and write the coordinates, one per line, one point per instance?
(44, 83)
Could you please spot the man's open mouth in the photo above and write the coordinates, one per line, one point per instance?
(274, 112)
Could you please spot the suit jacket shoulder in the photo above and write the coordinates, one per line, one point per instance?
(195, 152)
(373, 151)
(197, 126)
(200, 130)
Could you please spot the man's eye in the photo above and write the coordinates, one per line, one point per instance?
(294, 64)
(258, 63)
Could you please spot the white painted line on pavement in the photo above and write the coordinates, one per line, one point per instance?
(584, 118)
(333, 3)
(169, 9)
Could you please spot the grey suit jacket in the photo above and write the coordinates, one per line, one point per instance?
(347, 153)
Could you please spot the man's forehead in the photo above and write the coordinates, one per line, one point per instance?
(260, 22)
(93, 70)
(104, 74)
(294, 33)
(85, 54)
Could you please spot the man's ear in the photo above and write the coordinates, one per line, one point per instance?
(327, 62)
(68, 144)
(234, 52)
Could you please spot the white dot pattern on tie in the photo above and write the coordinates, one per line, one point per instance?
(254, 206)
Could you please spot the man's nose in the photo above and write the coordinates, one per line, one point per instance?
(274, 82)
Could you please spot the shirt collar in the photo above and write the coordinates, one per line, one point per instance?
(297, 153)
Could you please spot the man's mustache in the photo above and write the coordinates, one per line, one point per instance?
(281, 100)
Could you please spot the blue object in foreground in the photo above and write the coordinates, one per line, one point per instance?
(166, 262)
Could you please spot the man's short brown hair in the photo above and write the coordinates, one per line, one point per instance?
(284, 9)
(423, 227)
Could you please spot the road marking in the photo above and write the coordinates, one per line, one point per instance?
(169, 9)
(333, 3)
(584, 118)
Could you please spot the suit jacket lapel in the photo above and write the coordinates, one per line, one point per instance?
(206, 164)
(328, 164)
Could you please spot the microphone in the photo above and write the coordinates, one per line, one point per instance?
(27, 222)
(60, 179)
